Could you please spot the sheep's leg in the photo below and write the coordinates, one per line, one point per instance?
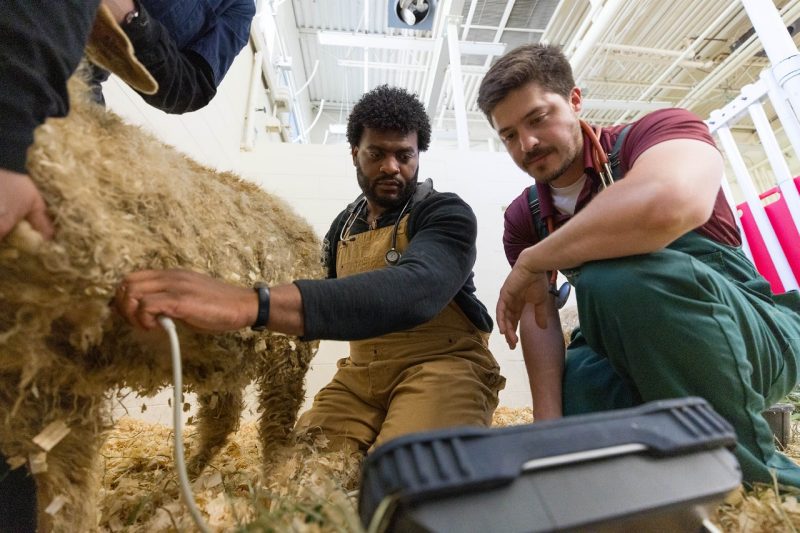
(73, 474)
(217, 418)
(281, 390)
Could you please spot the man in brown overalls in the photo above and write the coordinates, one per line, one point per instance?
(399, 288)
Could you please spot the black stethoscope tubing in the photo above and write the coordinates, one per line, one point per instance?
(393, 255)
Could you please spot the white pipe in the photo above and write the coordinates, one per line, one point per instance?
(560, 6)
(311, 77)
(736, 108)
(786, 115)
(365, 66)
(468, 22)
(498, 34)
(569, 49)
(366, 50)
(701, 39)
(266, 68)
(775, 156)
(728, 194)
(304, 135)
(607, 16)
(757, 209)
(658, 52)
(459, 102)
(778, 45)
(791, 128)
(772, 32)
(734, 62)
(248, 138)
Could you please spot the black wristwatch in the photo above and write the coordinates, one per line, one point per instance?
(263, 307)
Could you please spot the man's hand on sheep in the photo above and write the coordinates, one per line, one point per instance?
(203, 302)
(21, 200)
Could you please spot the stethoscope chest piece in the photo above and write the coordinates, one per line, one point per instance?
(392, 256)
(562, 294)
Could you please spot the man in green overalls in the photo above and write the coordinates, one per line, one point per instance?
(399, 288)
(668, 304)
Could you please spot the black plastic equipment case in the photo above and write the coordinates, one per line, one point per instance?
(662, 466)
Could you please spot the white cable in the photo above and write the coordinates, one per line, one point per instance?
(314, 123)
(311, 77)
(177, 421)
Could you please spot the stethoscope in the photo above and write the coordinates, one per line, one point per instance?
(393, 255)
(603, 167)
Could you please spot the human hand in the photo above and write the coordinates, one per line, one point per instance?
(198, 300)
(119, 8)
(21, 200)
(521, 287)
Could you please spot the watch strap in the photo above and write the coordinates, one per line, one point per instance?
(263, 308)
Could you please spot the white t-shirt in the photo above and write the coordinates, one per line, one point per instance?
(565, 198)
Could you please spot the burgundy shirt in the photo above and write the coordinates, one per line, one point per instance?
(653, 128)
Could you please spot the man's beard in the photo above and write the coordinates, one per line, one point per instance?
(370, 189)
(550, 176)
(576, 152)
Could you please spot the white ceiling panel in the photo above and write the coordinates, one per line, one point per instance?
(690, 53)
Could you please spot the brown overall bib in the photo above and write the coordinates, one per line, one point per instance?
(438, 374)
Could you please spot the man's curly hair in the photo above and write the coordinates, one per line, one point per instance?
(389, 108)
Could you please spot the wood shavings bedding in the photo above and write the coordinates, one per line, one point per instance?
(305, 491)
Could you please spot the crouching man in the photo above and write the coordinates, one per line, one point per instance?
(668, 304)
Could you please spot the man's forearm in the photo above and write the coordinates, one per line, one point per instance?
(185, 80)
(543, 351)
(642, 213)
(286, 310)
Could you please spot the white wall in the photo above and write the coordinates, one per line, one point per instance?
(318, 181)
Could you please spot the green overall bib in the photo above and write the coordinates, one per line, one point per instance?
(694, 319)
(438, 374)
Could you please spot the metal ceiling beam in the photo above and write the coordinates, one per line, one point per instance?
(478, 116)
(653, 55)
(735, 61)
(607, 16)
(357, 63)
(440, 58)
(500, 28)
(470, 15)
(690, 50)
(459, 104)
(513, 30)
(622, 105)
(476, 70)
(560, 10)
(579, 34)
(388, 42)
(630, 83)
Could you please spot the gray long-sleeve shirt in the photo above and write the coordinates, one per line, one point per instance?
(435, 269)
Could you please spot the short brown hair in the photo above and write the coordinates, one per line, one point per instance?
(543, 64)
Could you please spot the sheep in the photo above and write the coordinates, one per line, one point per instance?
(123, 201)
